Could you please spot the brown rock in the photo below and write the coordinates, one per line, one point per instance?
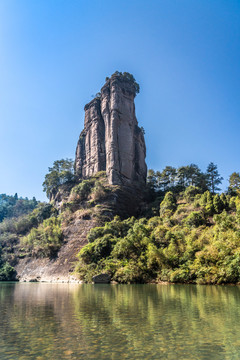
(90, 153)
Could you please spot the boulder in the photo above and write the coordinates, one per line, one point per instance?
(101, 279)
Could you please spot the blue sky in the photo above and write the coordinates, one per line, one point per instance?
(55, 54)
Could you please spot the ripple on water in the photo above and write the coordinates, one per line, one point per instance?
(71, 321)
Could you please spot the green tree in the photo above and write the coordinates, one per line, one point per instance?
(218, 204)
(209, 208)
(234, 184)
(152, 179)
(190, 193)
(224, 200)
(193, 172)
(182, 175)
(194, 219)
(167, 178)
(191, 175)
(213, 178)
(168, 205)
(61, 173)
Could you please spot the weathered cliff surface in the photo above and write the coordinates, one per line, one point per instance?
(90, 153)
(61, 268)
(112, 140)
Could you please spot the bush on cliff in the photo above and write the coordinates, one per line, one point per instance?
(60, 173)
(127, 77)
(82, 190)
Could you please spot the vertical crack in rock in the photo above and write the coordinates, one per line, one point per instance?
(112, 140)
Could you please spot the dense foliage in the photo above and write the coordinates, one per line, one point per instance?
(187, 231)
(195, 238)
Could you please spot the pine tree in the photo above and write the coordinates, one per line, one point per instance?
(218, 204)
(209, 208)
(213, 178)
(168, 178)
(152, 180)
(168, 205)
(234, 183)
(225, 201)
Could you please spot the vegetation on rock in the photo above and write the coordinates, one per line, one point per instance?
(61, 173)
(46, 239)
(125, 76)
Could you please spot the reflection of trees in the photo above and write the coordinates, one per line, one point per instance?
(60, 321)
(152, 321)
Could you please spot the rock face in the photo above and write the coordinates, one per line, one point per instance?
(112, 140)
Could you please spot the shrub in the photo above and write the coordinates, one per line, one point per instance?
(82, 190)
(195, 219)
(180, 275)
(7, 272)
(98, 191)
(100, 248)
(130, 273)
(45, 240)
(190, 193)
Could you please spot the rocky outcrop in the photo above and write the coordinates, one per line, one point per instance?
(112, 140)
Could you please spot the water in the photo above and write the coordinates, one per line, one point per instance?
(72, 321)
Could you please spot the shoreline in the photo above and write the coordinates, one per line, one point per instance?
(80, 282)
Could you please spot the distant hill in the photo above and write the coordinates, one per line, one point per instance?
(13, 206)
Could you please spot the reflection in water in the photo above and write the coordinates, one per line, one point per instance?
(70, 321)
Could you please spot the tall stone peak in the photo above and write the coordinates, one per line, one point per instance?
(111, 140)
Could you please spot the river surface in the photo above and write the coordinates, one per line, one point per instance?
(72, 321)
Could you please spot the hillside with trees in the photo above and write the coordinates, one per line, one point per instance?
(190, 233)
(187, 231)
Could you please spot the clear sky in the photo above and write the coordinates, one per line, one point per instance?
(55, 54)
